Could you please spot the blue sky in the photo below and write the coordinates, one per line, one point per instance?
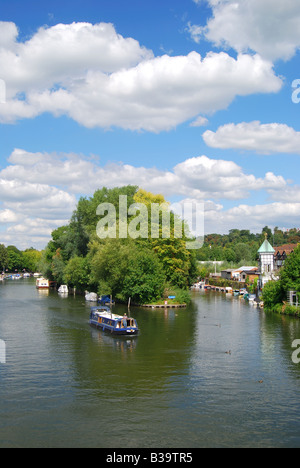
(188, 98)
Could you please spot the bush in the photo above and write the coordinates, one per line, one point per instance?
(272, 294)
(182, 296)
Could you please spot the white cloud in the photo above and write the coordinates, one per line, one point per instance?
(35, 175)
(206, 178)
(100, 79)
(65, 51)
(7, 216)
(38, 190)
(254, 136)
(268, 27)
(9, 34)
(199, 122)
(253, 217)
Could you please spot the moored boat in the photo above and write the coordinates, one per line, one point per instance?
(42, 283)
(91, 297)
(101, 317)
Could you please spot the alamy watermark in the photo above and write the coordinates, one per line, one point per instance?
(2, 352)
(179, 221)
(2, 92)
(296, 92)
(296, 354)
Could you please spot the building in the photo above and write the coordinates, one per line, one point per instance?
(241, 274)
(281, 254)
(249, 273)
(266, 263)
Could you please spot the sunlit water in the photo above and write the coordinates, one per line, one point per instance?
(176, 385)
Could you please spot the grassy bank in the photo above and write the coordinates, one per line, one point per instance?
(284, 309)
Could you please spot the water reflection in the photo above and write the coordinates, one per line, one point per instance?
(121, 344)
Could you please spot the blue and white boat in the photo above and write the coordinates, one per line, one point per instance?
(102, 317)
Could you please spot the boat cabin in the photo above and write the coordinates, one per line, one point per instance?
(42, 283)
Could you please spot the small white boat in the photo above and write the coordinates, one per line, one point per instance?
(63, 289)
(91, 297)
(42, 283)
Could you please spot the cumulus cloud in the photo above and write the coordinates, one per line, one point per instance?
(268, 27)
(34, 173)
(254, 136)
(284, 215)
(7, 216)
(101, 79)
(38, 191)
(199, 122)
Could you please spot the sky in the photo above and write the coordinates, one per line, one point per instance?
(198, 100)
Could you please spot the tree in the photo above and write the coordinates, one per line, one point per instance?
(145, 280)
(272, 294)
(3, 257)
(15, 258)
(58, 267)
(77, 273)
(242, 252)
(290, 273)
(31, 259)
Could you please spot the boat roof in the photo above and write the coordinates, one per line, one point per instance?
(105, 312)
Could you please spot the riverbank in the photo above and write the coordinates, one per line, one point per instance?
(284, 309)
(164, 306)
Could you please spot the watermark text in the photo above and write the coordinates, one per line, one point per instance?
(2, 352)
(179, 221)
(296, 92)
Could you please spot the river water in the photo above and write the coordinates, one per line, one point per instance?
(64, 384)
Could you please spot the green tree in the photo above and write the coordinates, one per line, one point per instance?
(77, 273)
(58, 267)
(126, 269)
(31, 259)
(144, 281)
(242, 252)
(272, 294)
(109, 260)
(15, 258)
(3, 257)
(290, 273)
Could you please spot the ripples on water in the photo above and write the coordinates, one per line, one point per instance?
(190, 379)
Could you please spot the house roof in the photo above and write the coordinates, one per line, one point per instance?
(247, 268)
(287, 248)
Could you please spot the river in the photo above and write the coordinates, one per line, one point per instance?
(217, 374)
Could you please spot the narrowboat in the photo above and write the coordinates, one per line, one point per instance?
(102, 317)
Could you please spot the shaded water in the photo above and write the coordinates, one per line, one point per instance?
(65, 384)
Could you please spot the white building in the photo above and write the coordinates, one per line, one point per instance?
(266, 263)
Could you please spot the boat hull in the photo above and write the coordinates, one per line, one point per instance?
(114, 331)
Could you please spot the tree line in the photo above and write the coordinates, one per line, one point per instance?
(242, 245)
(14, 260)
